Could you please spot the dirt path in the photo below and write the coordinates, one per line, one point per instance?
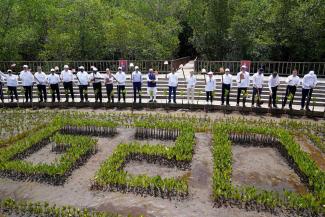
(317, 155)
(264, 168)
(76, 191)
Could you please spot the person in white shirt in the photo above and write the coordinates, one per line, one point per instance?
(226, 86)
(12, 83)
(242, 84)
(121, 78)
(258, 78)
(2, 77)
(152, 79)
(273, 84)
(292, 82)
(83, 79)
(97, 78)
(172, 85)
(191, 82)
(41, 81)
(210, 86)
(67, 78)
(309, 82)
(54, 80)
(137, 82)
(27, 79)
(109, 82)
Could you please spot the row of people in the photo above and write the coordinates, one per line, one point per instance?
(84, 79)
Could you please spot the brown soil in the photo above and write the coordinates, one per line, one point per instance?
(264, 168)
(44, 155)
(76, 191)
(317, 155)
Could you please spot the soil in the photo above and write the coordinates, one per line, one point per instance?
(75, 191)
(315, 153)
(44, 155)
(264, 168)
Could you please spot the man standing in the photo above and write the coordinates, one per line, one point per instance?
(41, 81)
(309, 82)
(83, 79)
(152, 85)
(273, 84)
(292, 82)
(210, 87)
(242, 84)
(67, 78)
(27, 79)
(54, 80)
(258, 78)
(12, 82)
(191, 82)
(137, 82)
(226, 86)
(2, 77)
(121, 78)
(172, 85)
(97, 78)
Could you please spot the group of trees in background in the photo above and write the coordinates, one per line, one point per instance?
(288, 30)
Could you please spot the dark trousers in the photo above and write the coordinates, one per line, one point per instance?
(109, 90)
(12, 92)
(290, 90)
(258, 92)
(306, 93)
(83, 90)
(120, 88)
(209, 96)
(172, 90)
(239, 93)
(272, 98)
(98, 91)
(136, 89)
(1, 92)
(55, 90)
(28, 93)
(68, 87)
(42, 92)
(225, 88)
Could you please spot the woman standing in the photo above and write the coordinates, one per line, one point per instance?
(191, 82)
(12, 82)
(109, 82)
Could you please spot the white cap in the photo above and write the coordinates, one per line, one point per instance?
(65, 66)
(227, 70)
(25, 66)
(210, 73)
(150, 70)
(181, 66)
(52, 70)
(131, 65)
(95, 69)
(81, 67)
(203, 70)
(9, 70)
(244, 66)
(311, 72)
(56, 68)
(136, 67)
(119, 67)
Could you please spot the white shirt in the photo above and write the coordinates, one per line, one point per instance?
(120, 77)
(227, 79)
(96, 77)
(293, 80)
(210, 84)
(172, 80)
(273, 82)
(191, 81)
(244, 82)
(258, 80)
(66, 76)
(136, 76)
(12, 80)
(83, 78)
(53, 79)
(27, 78)
(41, 78)
(108, 80)
(309, 81)
(2, 76)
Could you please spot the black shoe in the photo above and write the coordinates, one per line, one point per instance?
(227, 104)
(308, 109)
(301, 109)
(66, 100)
(169, 101)
(222, 104)
(151, 100)
(290, 107)
(237, 104)
(154, 101)
(275, 106)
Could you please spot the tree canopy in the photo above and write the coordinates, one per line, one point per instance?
(288, 30)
